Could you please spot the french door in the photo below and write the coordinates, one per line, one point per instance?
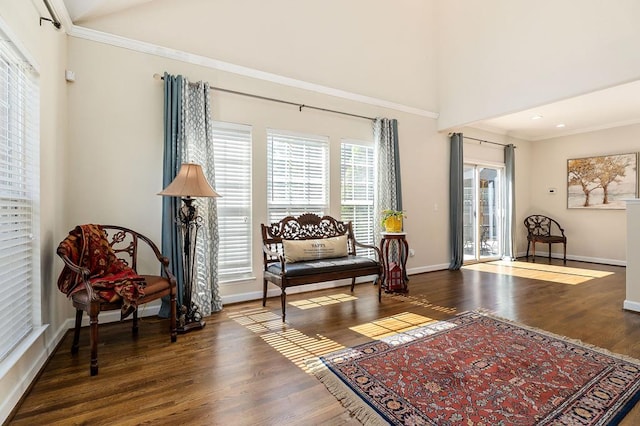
(483, 218)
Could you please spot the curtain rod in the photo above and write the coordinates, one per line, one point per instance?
(482, 140)
(265, 98)
(54, 19)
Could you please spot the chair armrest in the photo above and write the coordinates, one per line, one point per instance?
(369, 246)
(82, 272)
(273, 254)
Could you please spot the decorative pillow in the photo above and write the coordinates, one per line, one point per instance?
(322, 248)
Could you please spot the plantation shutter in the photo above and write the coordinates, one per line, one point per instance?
(357, 189)
(297, 174)
(232, 148)
(19, 197)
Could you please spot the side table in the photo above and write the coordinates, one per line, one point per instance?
(394, 250)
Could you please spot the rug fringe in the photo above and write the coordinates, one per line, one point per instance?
(356, 406)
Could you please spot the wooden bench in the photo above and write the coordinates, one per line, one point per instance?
(310, 230)
(543, 229)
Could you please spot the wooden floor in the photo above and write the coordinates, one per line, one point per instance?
(248, 368)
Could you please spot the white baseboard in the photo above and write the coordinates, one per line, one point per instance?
(630, 305)
(615, 262)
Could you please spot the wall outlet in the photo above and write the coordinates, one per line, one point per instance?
(412, 252)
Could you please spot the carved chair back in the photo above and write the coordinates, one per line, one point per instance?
(542, 226)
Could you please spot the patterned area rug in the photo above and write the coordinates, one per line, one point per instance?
(475, 369)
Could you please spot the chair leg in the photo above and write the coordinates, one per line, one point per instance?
(533, 250)
(134, 326)
(565, 253)
(528, 244)
(353, 283)
(93, 325)
(549, 251)
(264, 292)
(283, 301)
(76, 332)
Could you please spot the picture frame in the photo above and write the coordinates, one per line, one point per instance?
(602, 182)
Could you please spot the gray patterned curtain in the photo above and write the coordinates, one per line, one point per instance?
(456, 199)
(198, 144)
(388, 185)
(173, 141)
(510, 202)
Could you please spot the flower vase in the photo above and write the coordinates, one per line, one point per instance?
(393, 224)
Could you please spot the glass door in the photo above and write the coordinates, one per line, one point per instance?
(483, 219)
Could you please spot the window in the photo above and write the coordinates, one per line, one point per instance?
(297, 174)
(232, 157)
(357, 188)
(19, 198)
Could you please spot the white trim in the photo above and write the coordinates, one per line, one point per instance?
(630, 305)
(9, 36)
(21, 368)
(603, 261)
(179, 55)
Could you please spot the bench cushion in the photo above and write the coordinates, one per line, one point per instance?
(323, 266)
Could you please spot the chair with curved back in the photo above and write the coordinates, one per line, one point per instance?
(543, 229)
(101, 274)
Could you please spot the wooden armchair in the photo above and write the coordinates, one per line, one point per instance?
(543, 229)
(100, 274)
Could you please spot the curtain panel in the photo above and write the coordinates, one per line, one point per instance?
(198, 143)
(387, 159)
(509, 243)
(456, 199)
(172, 159)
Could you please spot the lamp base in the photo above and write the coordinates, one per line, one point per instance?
(195, 325)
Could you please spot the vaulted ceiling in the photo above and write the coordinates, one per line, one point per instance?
(611, 107)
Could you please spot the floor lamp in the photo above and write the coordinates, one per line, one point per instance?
(189, 184)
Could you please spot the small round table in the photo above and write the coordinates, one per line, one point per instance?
(394, 277)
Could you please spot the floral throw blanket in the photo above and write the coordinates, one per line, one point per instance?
(110, 277)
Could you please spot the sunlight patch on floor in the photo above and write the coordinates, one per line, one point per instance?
(316, 302)
(291, 343)
(298, 347)
(258, 320)
(388, 326)
(553, 273)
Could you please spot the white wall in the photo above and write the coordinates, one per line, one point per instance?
(503, 56)
(48, 48)
(593, 234)
(369, 47)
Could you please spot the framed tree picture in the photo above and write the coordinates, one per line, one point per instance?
(602, 182)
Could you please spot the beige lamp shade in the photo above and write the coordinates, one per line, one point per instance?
(190, 182)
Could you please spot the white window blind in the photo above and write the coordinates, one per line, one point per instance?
(232, 157)
(357, 188)
(19, 197)
(297, 174)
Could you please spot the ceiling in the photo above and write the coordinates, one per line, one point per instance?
(612, 107)
(603, 109)
(80, 10)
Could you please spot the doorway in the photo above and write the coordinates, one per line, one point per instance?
(483, 218)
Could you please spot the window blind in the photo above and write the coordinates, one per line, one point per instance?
(19, 197)
(232, 158)
(297, 174)
(357, 189)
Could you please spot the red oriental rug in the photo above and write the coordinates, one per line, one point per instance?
(475, 369)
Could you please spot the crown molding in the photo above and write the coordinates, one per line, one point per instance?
(179, 55)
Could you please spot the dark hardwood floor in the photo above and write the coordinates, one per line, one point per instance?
(248, 368)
